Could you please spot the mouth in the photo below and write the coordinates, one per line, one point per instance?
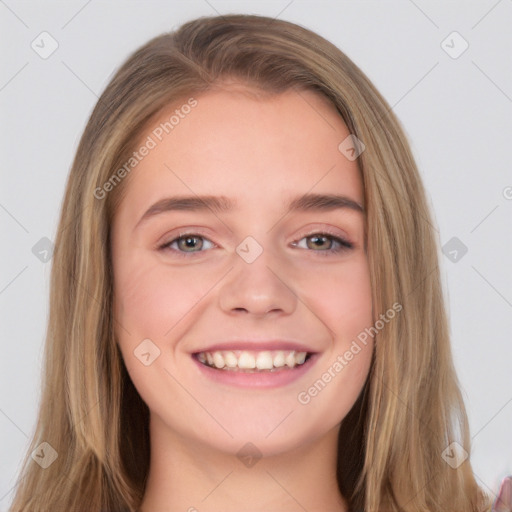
(252, 361)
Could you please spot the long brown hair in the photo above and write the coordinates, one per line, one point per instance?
(411, 409)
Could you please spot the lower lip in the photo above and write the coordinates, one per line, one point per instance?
(261, 380)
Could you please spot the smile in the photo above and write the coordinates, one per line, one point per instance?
(252, 361)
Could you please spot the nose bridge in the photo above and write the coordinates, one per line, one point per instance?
(258, 282)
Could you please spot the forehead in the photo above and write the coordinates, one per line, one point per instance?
(240, 144)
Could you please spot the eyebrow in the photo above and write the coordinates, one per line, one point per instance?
(222, 204)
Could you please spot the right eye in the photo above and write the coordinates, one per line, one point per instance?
(185, 243)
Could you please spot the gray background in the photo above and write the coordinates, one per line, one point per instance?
(456, 112)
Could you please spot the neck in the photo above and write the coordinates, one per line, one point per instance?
(188, 476)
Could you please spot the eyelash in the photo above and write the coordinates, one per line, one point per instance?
(343, 245)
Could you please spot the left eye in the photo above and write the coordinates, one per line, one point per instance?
(316, 241)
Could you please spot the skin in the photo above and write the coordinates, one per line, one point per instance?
(262, 152)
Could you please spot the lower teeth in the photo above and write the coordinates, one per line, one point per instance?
(251, 370)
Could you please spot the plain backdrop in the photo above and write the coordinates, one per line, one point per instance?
(455, 104)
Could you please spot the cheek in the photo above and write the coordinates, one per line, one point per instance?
(152, 298)
(353, 312)
(341, 297)
(155, 302)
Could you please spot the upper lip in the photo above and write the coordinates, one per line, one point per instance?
(260, 345)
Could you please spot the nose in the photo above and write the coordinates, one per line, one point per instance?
(257, 288)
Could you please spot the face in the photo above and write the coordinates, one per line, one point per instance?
(217, 307)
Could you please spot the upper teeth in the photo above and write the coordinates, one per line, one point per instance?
(265, 360)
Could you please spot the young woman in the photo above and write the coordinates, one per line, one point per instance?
(246, 310)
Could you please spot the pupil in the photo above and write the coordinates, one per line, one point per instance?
(317, 240)
(189, 242)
